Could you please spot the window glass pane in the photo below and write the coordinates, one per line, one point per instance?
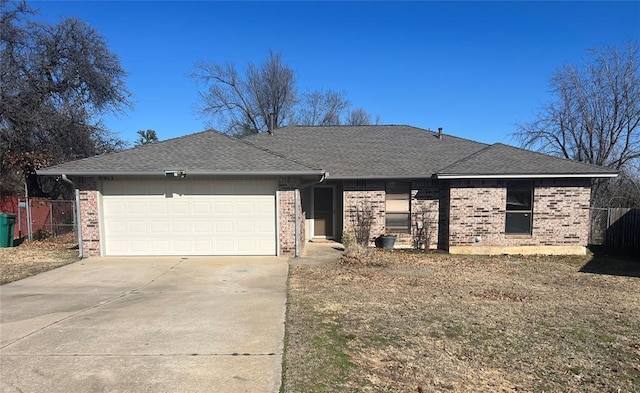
(397, 205)
(518, 223)
(397, 222)
(518, 199)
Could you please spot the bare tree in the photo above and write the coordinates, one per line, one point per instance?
(358, 117)
(241, 103)
(595, 115)
(56, 80)
(322, 108)
(146, 137)
(244, 103)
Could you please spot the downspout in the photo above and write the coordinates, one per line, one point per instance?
(296, 225)
(78, 218)
(297, 207)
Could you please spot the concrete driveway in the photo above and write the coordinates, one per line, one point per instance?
(196, 324)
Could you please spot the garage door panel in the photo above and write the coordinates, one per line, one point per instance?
(223, 207)
(202, 207)
(180, 227)
(160, 246)
(159, 228)
(245, 207)
(264, 228)
(189, 218)
(179, 207)
(204, 246)
(202, 227)
(246, 245)
(157, 207)
(245, 227)
(224, 227)
(139, 247)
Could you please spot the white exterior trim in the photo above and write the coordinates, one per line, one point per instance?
(529, 176)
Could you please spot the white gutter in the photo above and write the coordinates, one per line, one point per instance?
(78, 217)
(162, 173)
(526, 176)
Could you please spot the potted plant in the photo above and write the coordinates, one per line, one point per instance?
(386, 241)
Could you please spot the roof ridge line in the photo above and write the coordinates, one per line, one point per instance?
(273, 153)
(467, 158)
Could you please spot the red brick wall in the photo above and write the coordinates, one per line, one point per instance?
(425, 202)
(90, 217)
(286, 197)
(560, 214)
(364, 194)
(425, 208)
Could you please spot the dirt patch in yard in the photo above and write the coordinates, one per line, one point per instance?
(415, 322)
(30, 258)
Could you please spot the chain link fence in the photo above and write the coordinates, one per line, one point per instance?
(40, 218)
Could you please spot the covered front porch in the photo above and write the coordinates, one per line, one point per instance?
(409, 209)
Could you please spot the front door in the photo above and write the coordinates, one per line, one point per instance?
(323, 212)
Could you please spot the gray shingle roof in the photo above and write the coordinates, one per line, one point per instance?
(504, 160)
(208, 152)
(368, 151)
(347, 152)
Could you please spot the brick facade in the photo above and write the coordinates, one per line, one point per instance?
(560, 217)
(424, 206)
(425, 212)
(90, 217)
(463, 215)
(286, 197)
(364, 195)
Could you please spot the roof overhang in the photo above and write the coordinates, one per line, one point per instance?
(452, 176)
(526, 176)
(185, 172)
(376, 177)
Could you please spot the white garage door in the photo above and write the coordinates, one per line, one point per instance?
(185, 217)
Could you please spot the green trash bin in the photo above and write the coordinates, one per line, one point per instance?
(7, 221)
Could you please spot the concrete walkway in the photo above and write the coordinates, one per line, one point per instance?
(197, 324)
(319, 252)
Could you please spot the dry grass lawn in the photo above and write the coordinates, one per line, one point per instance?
(30, 258)
(415, 322)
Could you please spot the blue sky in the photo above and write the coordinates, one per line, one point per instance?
(473, 68)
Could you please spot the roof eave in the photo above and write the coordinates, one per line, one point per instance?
(452, 176)
(372, 177)
(89, 173)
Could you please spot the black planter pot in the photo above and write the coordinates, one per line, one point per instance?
(386, 241)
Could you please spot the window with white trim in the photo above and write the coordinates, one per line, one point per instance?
(397, 207)
(519, 211)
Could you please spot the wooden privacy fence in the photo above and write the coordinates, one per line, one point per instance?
(622, 235)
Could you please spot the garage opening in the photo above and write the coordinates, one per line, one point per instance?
(189, 217)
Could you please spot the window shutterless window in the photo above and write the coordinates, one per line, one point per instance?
(397, 207)
(519, 211)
